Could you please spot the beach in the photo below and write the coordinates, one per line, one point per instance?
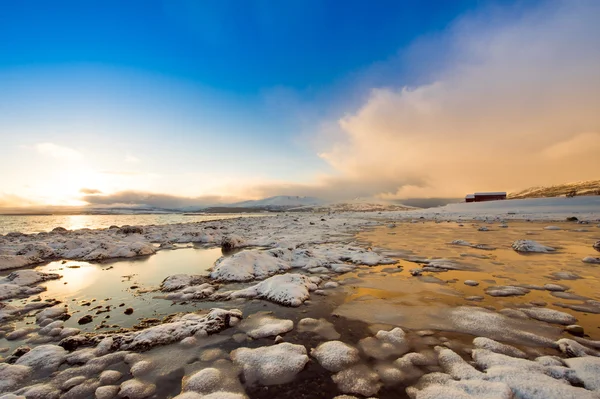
(446, 302)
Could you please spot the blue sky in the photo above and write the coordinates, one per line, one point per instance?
(198, 98)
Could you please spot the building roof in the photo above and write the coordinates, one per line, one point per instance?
(492, 193)
(470, 196)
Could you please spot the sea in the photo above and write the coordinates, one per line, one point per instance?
(29, 224)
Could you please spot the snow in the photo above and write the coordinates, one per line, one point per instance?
(18, 283)
(385, 344)
(335, 355)
(262, 325)
(203, 381)
(247, 265)
(107, 392)
(286, 289)
(109, 377)
(530, 246)
(270, 365)
(507, 290)
(587, 369)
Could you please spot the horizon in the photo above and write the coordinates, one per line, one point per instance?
(184, 104)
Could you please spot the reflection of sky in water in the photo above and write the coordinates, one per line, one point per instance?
(109, 283)
(415, 302)
(36, 224)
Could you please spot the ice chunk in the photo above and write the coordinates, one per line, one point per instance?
(270, 365)
(335, 355)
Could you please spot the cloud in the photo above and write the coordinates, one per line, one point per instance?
(14, 201)
(59, 152)
(513, 104)
(89, 191)
(138, 198)
(131, 159)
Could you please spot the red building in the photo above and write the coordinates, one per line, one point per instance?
(482, 197)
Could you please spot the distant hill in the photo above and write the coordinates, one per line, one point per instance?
(589, 187)
(280, 202)
(353, 206)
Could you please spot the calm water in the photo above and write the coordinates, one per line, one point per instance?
(35, 224)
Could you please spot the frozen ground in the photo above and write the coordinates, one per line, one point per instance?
(383, 305)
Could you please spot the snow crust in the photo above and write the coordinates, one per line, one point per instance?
(335, 355)
(285, 289)
(531, 246)
(262, 325)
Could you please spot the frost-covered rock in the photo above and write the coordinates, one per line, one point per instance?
(335, 355)
(495, 346)
(385, 344)
(358, 379)
(185, 326)
(247, 266)
(12, 375)
(591, 259)
(136, 389)
(19, 283)
(258, 364)
(549, 315)
(284, 289)
(506, 290)
(531, 246)
(179, 281)
(43, 358)
(262, 325)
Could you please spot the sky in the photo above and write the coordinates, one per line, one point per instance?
(182, 103)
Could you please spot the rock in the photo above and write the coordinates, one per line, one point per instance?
(592, 260)
(335, 355)
(85, 319)
(572, 219)
(575, 329)
(128, 311)
(107, 392)
(472, 283)
(596, 246)
(136, 389)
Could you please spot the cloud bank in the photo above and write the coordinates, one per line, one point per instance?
(58, 152)
(514, 104)
(137, 198)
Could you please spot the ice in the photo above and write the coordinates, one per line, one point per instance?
(320, 327)
(359, 379)
(248, 265)
(270, 365)
(335, 355)
(136, 389)
(285, 289)
(495, 346)
(185, 326)
(262, 325)
(43, 358)
(531, 246)
(549, 315)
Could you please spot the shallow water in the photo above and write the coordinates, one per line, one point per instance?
(38, 223)
(416, 297)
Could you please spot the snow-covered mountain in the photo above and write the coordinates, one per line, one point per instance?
(355, 205)
(589, 187)
(278, 202)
